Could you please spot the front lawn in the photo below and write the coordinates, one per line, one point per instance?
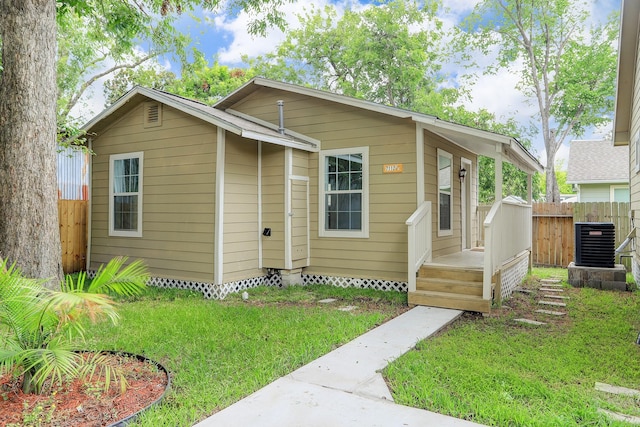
(495, 371)
(221, 351)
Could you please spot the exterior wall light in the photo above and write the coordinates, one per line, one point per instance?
(462, 173)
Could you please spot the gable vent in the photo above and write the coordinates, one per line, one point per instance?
(152, 114)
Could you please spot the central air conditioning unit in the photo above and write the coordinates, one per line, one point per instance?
(595, 244)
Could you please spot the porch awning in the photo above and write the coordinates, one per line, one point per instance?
(484, 143)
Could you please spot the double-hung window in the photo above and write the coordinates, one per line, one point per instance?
(445, 193)
(125, 194)
(344, 193)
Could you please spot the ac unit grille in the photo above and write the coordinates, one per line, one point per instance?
(595, 244)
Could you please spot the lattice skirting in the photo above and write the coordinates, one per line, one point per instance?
(210, 290)
(347, 282)
(513, 276)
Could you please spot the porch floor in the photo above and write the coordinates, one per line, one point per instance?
(469, 258)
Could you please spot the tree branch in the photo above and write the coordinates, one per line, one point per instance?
(78, 94)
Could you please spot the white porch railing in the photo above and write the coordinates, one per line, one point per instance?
(507, 233)
(419, 241)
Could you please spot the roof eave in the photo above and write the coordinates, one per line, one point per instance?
(629, 18)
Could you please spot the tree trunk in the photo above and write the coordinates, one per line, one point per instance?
(29, 227)
(553, 193)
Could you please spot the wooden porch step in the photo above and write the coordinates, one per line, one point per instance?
(449, 300)
(467, 274)
(457, 286)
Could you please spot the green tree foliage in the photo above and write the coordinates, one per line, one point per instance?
(565, 67)
(390, 54)
(147, 75)
(199, 81)
(41, 330)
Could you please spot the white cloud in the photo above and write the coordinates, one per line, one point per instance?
(243, 43)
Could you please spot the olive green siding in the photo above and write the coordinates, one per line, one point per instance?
(392, 197)
(445, 245)
(240, 209)
(178, 194)
(273, 192)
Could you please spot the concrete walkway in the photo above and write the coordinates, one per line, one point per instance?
(344, 387)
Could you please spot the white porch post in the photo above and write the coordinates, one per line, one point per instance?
(498, 183)
(419, 164)
(218, 266)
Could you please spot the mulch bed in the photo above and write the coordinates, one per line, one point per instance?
(83, 402)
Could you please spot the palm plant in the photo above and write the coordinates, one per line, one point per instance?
(41, 330)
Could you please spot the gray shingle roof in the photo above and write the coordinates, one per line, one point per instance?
(597, 161)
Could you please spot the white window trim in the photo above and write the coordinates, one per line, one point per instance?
(443, 153)
(364, 232)
(112, 159)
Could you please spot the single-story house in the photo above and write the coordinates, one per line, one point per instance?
(626, 128)
(279, 184)
(599, 170)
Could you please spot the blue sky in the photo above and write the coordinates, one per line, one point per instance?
(225, 37)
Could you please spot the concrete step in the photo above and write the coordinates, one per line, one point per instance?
(551, 312)
(529, 322)
(449, 300)
(553, 303)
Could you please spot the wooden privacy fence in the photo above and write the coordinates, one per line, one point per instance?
(553, 228)
(72, 215)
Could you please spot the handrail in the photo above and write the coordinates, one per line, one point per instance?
(507, 233)
(418, 241)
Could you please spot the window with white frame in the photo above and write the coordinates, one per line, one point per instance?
(344, 193)
(445, 193)
(125, 194)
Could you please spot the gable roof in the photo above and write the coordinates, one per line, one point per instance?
(475, 140)
(627, 49)
(597, 162)
(237, 125)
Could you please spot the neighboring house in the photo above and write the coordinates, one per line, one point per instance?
(280, 184)
(626, 131)
(599, 170)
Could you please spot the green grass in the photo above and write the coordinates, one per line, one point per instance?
(494, 371)
(221, 351)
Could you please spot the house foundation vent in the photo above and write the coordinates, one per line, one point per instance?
(595, 244)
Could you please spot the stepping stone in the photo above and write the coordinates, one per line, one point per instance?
(551, 290)
(327, 300)
(524, 291)
(530, 322)
(556, 296)
(348, 308)
(555, 304)
(552, 313)
(550, 280)
(617, 390)
(620, 417)
(551, 285)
